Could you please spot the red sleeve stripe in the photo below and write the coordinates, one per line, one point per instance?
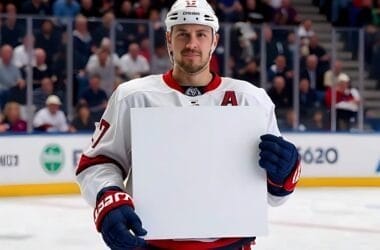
(86, 162)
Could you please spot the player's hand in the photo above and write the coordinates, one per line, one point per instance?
(280, 159)
(117, 221)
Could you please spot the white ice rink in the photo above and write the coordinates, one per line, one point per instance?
(323, 219)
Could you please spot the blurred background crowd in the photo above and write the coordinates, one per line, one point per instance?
(60, 60)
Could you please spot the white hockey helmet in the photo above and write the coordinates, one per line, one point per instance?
(191, 12)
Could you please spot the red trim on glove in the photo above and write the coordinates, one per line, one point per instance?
(109, 201)
(292, 180)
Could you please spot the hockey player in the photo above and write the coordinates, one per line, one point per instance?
(191, 39)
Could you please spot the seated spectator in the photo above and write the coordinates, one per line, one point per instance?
(46, 89)
(160, 60)
(142, 8)
(305, 31)
(10, 75)
(347, 102)
(59, 68)
(126, 10)
(106, 65)
(17, 93)
(246, 37)
(51, 118)
(290, 48)
(103, 30)
(82, 50)
(105, 6)
(145, 49)
(230, 11)
(12, 29)
(88, 9)
(308, 100)
(289, 124)
(12, 121)
(312, 73)
(49, 39)
(158, 26)
(318, 122)
(132, 64)
(280, 68)
(315, 48)
(273, 46)
(35, 7)
(286, 14)
(82, 44)
(65, 8)
(331, 75)
(280, 96)
(21, 56)
(41, 69)
(94, 97)
(253, 11)
(250, 73)
(82, 121)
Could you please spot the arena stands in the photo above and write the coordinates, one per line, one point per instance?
(296, 50)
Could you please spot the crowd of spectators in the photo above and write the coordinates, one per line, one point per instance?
(99, 65)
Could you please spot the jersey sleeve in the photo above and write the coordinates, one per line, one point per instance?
(272, 128)
(107, 160)
(272, 123)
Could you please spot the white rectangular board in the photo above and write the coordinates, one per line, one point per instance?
(195, 171)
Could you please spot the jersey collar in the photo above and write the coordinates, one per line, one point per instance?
(172, 83)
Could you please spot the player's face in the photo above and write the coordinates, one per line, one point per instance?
(191, 45)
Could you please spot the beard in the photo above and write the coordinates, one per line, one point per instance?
(191, 66)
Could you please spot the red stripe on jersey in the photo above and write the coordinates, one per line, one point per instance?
(172, 83)
(86, 162)
(191, 245)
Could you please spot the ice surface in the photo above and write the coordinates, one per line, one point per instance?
(318, 218)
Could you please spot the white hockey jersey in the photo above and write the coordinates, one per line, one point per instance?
(107, 161)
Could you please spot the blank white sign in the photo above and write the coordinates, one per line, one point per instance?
(195, 171)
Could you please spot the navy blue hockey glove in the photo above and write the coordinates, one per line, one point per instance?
(117, 221)
(281, 161)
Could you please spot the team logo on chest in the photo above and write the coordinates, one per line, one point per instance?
(191, 3)
(192, 91)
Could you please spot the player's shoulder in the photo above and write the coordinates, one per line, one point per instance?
(241, 85)
(151, 83)
(247, 89)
